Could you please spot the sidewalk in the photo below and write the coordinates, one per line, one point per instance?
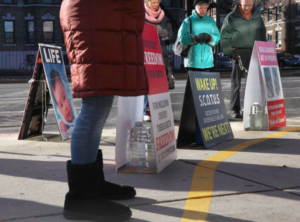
(243, 180)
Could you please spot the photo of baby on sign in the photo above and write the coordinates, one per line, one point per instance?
(59, 89)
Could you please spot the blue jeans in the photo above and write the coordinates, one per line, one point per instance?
(146, 103)
(88, 128)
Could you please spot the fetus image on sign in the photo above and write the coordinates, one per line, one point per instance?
(269, 83)
(276, 80)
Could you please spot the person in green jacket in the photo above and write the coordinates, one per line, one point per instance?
(203, 36)
(241, 28)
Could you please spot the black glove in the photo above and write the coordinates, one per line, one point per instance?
(203, 38)
(233, 55)
(245, 55)
(162, 32)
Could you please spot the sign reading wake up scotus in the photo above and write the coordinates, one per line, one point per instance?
(210, 108)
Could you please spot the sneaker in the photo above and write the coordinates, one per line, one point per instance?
(147, 118)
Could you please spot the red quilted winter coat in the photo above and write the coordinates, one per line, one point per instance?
(104, 43)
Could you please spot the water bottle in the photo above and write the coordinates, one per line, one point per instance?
(137, 142)
(265, 123)
(150, 150)
(256, 117)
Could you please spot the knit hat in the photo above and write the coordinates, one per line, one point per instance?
(200, 2)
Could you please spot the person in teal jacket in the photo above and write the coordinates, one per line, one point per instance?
(203, 37)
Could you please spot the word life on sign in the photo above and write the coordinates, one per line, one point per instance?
(49, 89)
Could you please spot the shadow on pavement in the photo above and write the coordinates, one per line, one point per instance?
(272, 146)
(14, 209)
(193, 215)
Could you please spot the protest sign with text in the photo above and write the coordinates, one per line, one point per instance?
(162, 122)
(203, 107)
(264, 86)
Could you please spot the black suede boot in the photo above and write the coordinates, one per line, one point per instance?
(83, 202)
(110, 190)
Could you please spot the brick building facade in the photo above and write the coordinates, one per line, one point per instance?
(24, 24)
(282, 21)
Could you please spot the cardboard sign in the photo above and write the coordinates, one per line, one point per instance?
(49, 81)
(37, 104)
(57, 81)
(204, 99)
(264, 86)
(154, 62)
(159, 99)
(163, 129)
(160, 107)
(130, 110)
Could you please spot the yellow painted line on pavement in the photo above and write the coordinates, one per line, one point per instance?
(199, 197)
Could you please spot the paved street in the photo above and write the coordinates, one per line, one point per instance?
(252, 178)
(14, 96)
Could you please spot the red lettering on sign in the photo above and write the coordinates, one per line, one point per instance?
(165, 139)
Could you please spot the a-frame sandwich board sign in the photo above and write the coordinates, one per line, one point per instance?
(38, 103)
(130, 110)
(49, 89)
(264, 87)
(162, 120)
(204, 117)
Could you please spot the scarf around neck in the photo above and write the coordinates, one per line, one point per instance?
(154, 16)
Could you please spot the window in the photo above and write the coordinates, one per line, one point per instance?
(270, 16)
(47, 1)
(278, 12)
(298, 36)
(298, 9)
(278, 39)
(30, 31)
(48, 33)
(7, 1)
(270, 36)
(9, 32)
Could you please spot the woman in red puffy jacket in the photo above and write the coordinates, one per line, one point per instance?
(104, 45)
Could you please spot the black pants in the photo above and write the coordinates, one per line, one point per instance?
(236, 77)
(198, 70)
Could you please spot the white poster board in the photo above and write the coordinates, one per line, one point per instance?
(163, 129)
(57, 82)
(264, 86)
(130, 110)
